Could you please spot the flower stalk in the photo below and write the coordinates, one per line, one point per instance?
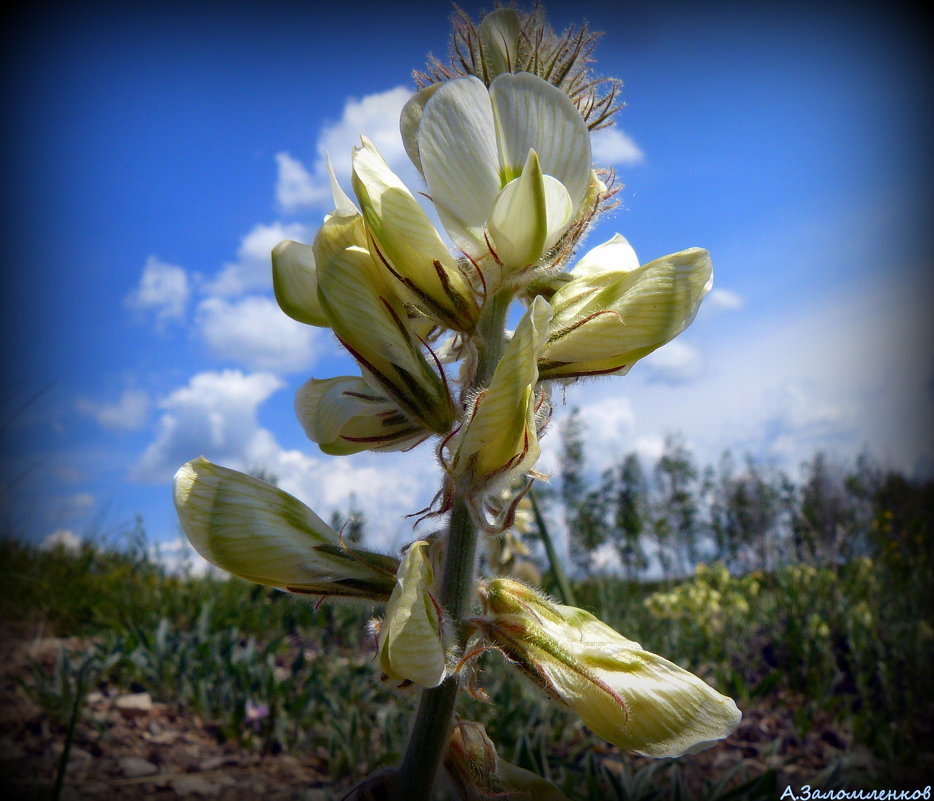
(502, 141)
(434, 717)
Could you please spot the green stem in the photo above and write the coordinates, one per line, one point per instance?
(432, 725)
(564, 586)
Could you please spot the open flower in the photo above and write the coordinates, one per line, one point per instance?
(613, 312)
(633, 698)
(499, 441)
(411, 648)
(260, 533)
(507, 168)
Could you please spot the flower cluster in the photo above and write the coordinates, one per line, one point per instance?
(502, 141)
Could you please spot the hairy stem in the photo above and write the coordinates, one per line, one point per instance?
(433, 719)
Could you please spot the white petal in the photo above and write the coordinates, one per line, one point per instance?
(408, 243)
(411, 119)
(614, 255)
(410, 644)
(560, 210)
(531, 113)
(457, 147)
(250, 528)
(502, 427)
(343, 205)
(344, 415)
(499, 37)
(295, 282)
(518, 223)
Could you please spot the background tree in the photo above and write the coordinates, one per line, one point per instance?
(676, 505)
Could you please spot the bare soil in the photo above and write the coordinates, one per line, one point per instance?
(128, 746)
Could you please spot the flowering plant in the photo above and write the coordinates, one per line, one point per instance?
(501, 137)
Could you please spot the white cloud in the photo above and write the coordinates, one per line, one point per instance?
(256, 333)
(62, 538)
(612, 147)
(129, 413)
(377, 117)
(674, 363)
(253, 267)
(163, 290)
(718, 300)
(848, 372)
(296, 187)
(214, 415)
(217, 414)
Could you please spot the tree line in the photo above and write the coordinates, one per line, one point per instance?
(663, 518)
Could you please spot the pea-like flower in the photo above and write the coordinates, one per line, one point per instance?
(499, 440)
(258, 532)
(411, 648)
(295, 271)
(507, 168)
(613, 312)
(346, 415)
(365, 311)
(408, 244)
(633, 698)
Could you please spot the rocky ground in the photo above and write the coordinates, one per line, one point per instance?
(130, 746)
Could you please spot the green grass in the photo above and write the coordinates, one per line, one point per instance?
(851, 644)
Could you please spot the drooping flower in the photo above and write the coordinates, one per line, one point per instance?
(507, 168)
(346, 415)
(633, 698)
(613, 312)
(256, 531)
(411, 648)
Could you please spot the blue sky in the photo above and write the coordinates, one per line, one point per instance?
(158, 152)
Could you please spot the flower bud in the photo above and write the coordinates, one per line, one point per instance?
(408, 244)
(498, 442)
(260, 533)
(346, 415)
(635, 699)
(499, 35)
(410, 644)
(478, 773)
(611, 314)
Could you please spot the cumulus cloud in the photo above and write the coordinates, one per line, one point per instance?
(613, 148)
(254, 332)
(296, 187)
(377, 117)
(253, 268)
(63, 538)
(163, 292)
(718, 301)
(129, 413)
(215, 414)
(674, 363)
